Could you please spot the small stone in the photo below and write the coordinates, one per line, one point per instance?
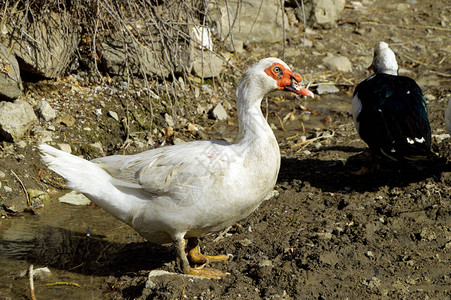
(169, 131)
(15, 119)
(326, 89)
(45, 139)
(67, 120)
(98, 112)
(338, 63)
(192, 127)
(406, 72)
(219, 112)
(206, 64)
(91, 151)
(307, 43)
(369, 254)
(7, 189)
(427, 234)
(325, 235)
(123, 85)
(21, 144)
(245, 242)
(227, 105)
(441, 137)
(306, 152)
(169, 120)
(177, 141)
(75, 198)
(37, 195)
(429, 97)
(2, 175)
(45, 111)
(64, 147)
(266, 263)
(374, 282)
(41, 273)
(113, 115)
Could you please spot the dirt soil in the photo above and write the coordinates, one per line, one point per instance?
(327, 233)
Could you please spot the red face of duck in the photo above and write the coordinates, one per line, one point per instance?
(286, 80)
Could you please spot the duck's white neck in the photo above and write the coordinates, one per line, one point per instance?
(385, 62)
(252, 124)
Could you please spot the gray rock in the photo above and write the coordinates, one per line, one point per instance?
(113, 114)
(406, 72)
(93, 150)
(122, 57)
(177, 141)
(65, 147)
(2, 175)
(7, 189)
(15, 119)
(21, 144)
(37, 195)
(75, 198)
(321, 13)
(45, 111)
(266, 263)
(219, 113)
(264, 26)
(98, 112)
(49, 44)
(41, 273)
(169, 120)
(206, 64)
(10, 81)
(326, 89)
(338, 63)
(99, 147)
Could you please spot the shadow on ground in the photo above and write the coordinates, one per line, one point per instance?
(337, 175)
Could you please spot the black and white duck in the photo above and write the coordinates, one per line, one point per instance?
(390, 111)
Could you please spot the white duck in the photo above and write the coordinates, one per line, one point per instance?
(186, 191)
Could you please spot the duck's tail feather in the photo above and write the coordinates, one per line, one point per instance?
(87, 178)
(82, 176)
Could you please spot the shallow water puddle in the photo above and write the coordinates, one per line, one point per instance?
(58, 238)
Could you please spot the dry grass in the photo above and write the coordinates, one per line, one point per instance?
(161, 27)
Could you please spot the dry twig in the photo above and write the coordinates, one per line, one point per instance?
(23, 187)
(62, 283)
(30, 271)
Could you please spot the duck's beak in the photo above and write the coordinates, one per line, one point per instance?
(296, 87)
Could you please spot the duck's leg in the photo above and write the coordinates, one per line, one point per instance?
(182, 259)
(195, 256)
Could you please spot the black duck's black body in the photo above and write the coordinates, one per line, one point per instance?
(391, 117)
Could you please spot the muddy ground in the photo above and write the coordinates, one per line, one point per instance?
(327, 234)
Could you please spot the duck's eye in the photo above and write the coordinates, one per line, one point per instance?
(277, 69)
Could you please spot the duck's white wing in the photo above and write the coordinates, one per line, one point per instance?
(180, 172)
